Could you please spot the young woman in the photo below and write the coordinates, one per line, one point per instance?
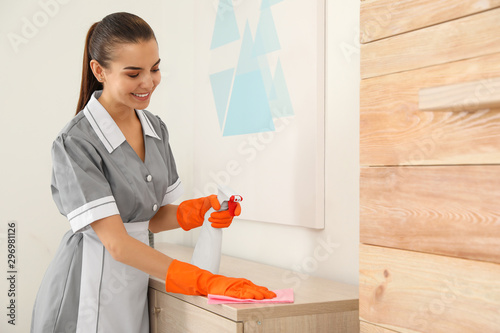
(114, 177)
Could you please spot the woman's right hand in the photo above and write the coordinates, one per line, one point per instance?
(184, 278)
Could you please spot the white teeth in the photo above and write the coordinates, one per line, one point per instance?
(140, 95)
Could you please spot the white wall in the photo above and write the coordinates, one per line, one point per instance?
(39, 90)
(333, 252)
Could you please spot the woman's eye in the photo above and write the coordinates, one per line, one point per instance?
(155, 70)
(133, 75)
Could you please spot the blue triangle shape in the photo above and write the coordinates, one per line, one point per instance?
(266, 38)
(265, 4)
(267, 78)
(246, 61)
(268, 3)
(225, 28)
(249, 110)
(282, 105)
(221, 86)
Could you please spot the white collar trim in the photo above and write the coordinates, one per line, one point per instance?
(105, 127)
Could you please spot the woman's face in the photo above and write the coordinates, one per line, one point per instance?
(132, 76)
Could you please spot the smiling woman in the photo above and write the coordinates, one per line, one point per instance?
(114, 177)
(129, 85)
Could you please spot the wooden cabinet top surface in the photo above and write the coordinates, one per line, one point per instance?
(312, 295)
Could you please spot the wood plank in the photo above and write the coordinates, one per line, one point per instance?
(452, 97)
(416, 292)
(468, 37)
(177, 316)
(449, 210)
(393, 131)
(371, 328)
(312, 295)
(384, 18)
(344, 322)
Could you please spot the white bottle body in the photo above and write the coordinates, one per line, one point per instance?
(207, 251)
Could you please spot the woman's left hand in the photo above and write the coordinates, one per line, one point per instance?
(191, 213)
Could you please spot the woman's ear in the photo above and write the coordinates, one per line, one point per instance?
(98, 71)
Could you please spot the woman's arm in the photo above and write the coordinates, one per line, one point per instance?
(182, 277)
(128, 250)
(164, 219)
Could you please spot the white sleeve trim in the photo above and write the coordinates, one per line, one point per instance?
(92, 211)
(174, 191)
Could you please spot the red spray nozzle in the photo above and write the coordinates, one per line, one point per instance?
(232, 203)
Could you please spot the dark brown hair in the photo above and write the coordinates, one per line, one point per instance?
(103, 36)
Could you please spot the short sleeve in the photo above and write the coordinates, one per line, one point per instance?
(175, 188)
(79, 186)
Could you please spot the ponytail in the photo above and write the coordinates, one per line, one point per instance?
(89, 81)
(103, 36)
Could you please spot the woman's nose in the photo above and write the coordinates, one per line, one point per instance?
(148, 81)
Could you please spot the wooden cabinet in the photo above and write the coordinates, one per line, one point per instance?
(320, 305)
(430, 166)
(170, 314)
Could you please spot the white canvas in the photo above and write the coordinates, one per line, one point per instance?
(271, 150)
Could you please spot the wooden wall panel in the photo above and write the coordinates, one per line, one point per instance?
(394, 132)
(384, 18)
(468, 37)
(449, 210)
(416, 292)
(429, 188)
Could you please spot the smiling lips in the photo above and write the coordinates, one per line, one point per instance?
(142, 97)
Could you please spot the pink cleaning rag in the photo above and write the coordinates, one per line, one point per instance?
(282, 296)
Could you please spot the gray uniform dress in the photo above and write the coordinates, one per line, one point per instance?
(96, 174)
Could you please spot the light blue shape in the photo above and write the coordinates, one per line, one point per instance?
(221, 86)
(225, 28)
(266, 38)
(248, 109)
(268, 3)
(282, 105)
(267, 78)
(246, 61)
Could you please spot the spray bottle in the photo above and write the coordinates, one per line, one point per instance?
(207, 251)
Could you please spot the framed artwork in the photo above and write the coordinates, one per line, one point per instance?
(259, 106)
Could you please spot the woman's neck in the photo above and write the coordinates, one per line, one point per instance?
(119, 112)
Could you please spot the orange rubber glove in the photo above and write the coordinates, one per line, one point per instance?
(187, 279)
(191, 213)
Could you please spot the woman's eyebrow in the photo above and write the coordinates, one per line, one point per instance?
(140, 68)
